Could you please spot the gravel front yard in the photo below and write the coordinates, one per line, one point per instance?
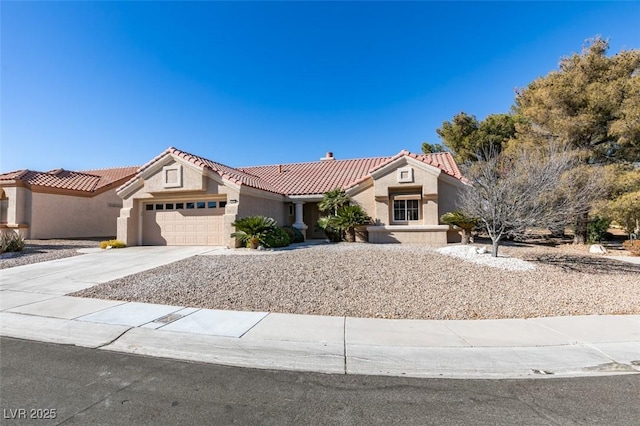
(389, 281)
(36, 251)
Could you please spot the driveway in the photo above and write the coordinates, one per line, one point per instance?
(71, 274)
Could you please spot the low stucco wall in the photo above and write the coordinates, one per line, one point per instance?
(66, 216)
(417, 234)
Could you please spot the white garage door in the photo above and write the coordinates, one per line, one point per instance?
(183, 223)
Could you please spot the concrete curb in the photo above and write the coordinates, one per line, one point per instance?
(34, 306)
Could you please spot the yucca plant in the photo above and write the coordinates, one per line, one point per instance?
(253, 230)
(462, 221)
(11, 242)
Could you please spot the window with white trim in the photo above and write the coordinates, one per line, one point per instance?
(405, 208)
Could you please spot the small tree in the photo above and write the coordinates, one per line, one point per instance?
(465, 223)
(333, 200)
(343, 217)
(254, 230)
(531, 188)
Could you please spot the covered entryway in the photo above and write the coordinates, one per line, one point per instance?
(183, 223)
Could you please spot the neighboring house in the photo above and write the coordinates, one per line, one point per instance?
(62, 203)
(182, 199)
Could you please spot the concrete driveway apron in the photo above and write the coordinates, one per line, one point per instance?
(63, 276)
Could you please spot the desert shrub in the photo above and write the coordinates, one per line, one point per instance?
(11, 242)
(112, 244)
(465, 223)
(597, 229)
(633, 246)
(295, 235)
(277, 238)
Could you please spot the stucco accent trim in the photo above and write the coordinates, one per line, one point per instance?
(358, 188)
(402, 161)
(177, 168)
(247, 190)
(407, 228)
(14, 225)
(306, 198)
(12, 184)
(138, 181)
(453, 181)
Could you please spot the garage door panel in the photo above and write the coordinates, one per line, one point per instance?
(183, 227)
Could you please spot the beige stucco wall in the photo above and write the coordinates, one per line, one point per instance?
(66, 216)
(405, 234)
(366, 200)
(449, 195)
(251, 205)
(196, 184)
(18, 205)
(437, 197)
(424, 181)
(39, 215)
(193, 179)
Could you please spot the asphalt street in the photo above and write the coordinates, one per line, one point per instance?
(72, 385)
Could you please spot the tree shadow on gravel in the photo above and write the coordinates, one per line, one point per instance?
(586, 264)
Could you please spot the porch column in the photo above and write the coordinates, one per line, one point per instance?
(299, 223)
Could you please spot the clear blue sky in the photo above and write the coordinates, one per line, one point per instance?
(102, 84)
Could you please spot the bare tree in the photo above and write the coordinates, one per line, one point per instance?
(526, 189)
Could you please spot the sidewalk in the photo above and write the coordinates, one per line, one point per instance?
(33, 306)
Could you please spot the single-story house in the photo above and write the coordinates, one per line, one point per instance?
(62, 203)
(182, 199)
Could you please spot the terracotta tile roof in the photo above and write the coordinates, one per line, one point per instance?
(316, 177)
(82, 181)
(234, 175)
(308, 178)
(322, 176)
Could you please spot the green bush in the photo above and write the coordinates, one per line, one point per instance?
(252, 230)
(277, 238)
(465, 223)
(597, 229)
(349, 218)
(633, 246)
(112, 244)
(295, 235)
(11, 242)
(328, 226)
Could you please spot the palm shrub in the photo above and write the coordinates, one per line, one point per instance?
(462, 222)
(333, 200)
(253, 230)
(327, 224)
(349, 217)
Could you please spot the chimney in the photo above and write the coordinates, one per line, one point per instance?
(328, 157)
(280, 168)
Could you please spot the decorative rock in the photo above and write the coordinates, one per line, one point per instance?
(597, 249)
(482, 250)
